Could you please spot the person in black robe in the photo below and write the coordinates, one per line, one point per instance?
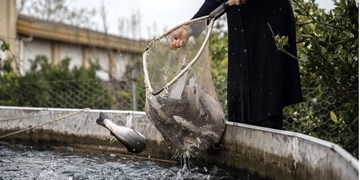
(261, 79)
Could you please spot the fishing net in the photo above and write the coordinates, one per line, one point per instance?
(180, 96)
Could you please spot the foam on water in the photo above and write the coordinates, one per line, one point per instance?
(26, 162)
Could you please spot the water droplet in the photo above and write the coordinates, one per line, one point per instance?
(314, 100)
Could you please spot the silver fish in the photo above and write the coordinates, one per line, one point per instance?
(132, 140)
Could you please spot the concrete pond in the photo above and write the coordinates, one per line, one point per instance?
(276, 154)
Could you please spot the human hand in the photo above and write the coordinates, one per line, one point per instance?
(180, 37)
(237, 2)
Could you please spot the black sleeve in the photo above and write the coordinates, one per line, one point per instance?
(207, 7)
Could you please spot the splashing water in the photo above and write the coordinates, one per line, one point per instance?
(27, 162)
(185, 163)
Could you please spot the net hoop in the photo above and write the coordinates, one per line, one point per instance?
(190, 64)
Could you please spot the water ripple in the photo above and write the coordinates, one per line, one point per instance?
(25, 162)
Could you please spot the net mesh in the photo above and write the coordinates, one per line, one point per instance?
(187, 112)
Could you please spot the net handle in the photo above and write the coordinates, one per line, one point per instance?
(184, 70)
(146, 76)
(213, 15)
(174, 28)
(192, 62)
(220, 10)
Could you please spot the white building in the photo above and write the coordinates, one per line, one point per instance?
(29, 37)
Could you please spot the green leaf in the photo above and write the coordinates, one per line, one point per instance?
(333, 116)
(5, 46)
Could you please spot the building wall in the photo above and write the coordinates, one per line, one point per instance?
(8, 18)
(100, 56)
(32, 49)
(29, 37)
(80, 56)
(122, 60)
(72, 51)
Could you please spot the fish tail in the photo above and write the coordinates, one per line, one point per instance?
(102, 117)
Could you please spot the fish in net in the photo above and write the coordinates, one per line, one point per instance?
(180, 95)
